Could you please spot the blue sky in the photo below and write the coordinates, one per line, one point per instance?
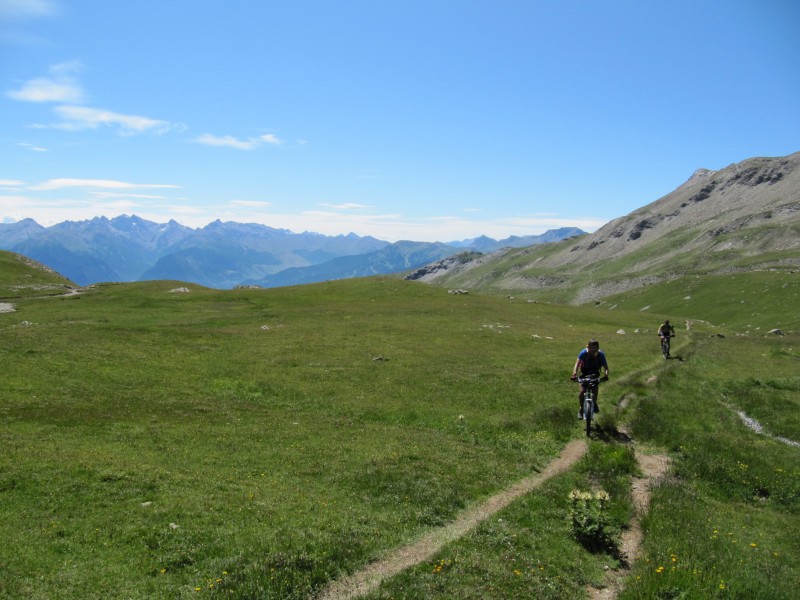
(432, 120)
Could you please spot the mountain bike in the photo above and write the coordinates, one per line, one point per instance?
(665, 346)
(590, 385)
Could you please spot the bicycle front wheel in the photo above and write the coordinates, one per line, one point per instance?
(588, 412)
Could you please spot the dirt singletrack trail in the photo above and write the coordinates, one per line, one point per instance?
(370, 577)
(654, 467)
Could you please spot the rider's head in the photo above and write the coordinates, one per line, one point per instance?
(666, 322)
(593, 346)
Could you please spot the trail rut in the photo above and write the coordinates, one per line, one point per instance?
(653, 467)
(402, 558)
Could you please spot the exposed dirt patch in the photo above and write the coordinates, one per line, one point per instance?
(654, 467)
(400, 559)
(625, 400)
(7, 307)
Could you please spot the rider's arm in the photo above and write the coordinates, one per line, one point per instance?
(576, 367)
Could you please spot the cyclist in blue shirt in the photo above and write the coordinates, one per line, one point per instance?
(591, 361)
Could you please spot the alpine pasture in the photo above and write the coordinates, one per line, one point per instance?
(251, 443)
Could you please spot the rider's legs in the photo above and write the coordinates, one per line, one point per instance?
(582, 395)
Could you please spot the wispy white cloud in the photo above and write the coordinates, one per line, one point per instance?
(56, 200)
(270, 138)
(228, 141)
(13, 10)
(76, 118)
(127, 195)
(542, 223)
(51, 211)
(14, 15)
(60, 86)
(250, 203)
(44, 89)
(394, 226)
(57, 184)
(32, 147)
(322, 215)
(346, 206)
(387, 226)
(72, 199)
(187, 210)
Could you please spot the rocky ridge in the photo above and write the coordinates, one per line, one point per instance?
(743, 217)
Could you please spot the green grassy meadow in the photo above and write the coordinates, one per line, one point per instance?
(260, 443)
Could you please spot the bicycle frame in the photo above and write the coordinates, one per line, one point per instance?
(590, 385)
(665, 342)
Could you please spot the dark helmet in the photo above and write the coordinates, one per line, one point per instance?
(593, 343)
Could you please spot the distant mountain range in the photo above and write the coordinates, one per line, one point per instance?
(225, 254)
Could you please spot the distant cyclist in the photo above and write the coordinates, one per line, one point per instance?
(665, 332)
(591, 361)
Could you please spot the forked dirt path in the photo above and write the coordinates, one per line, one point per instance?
(370, 577)
(653, 467)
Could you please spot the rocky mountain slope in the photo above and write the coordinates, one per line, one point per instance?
(743, 217)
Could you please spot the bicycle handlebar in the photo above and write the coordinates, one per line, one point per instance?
(591, 380)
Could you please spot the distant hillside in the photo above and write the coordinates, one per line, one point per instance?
(744, 217)
(487, 244)
(22, 277)
(403, 256)
(398, 257)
